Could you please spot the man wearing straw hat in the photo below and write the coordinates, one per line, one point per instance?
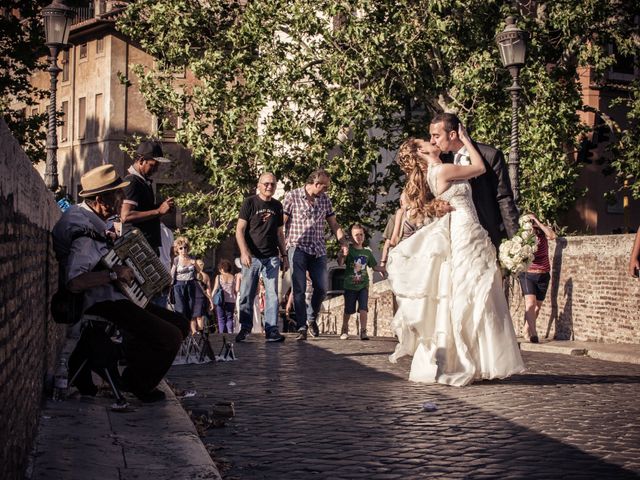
(153, 334)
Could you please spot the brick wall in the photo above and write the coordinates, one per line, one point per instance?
(379, 318)
(590, 297)
(29, 341)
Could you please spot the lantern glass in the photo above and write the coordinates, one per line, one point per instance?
(57, 23)
(512, 51)
(512, 44)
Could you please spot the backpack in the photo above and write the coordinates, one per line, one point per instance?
(66, 306)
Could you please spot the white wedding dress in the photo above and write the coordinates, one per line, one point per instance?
(452, 313)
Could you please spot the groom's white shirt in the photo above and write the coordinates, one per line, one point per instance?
(462, 157)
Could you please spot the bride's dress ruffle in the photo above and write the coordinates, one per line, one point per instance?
(452, 314)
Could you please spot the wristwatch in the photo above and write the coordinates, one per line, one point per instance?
(113, 276)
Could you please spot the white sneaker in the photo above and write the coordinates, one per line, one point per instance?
(344, 336)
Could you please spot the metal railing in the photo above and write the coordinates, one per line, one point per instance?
(84, 13)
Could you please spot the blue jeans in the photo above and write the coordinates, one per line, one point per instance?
(302, 262)
(268, 269)
(161, 300)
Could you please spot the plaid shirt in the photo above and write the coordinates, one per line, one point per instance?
(305, 226)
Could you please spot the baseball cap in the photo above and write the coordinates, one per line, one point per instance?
(151, 151)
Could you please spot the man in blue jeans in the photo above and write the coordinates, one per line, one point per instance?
(305, 211)
(260, 236)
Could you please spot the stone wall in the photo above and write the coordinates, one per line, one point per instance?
(380, 313)
(590, 298)
(29, 340)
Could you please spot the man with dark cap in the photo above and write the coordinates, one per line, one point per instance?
(139, 208)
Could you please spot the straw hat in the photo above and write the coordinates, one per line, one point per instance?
(99, 180)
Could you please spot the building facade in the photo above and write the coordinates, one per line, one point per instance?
(99, 111)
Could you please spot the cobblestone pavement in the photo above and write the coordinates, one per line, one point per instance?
(332, 409)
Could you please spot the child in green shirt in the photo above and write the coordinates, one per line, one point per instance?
(356, 281)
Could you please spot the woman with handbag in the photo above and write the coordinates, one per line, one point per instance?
(225, 290)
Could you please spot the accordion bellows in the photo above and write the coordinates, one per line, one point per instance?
(151, 276)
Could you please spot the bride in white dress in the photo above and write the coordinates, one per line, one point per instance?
(452, 313)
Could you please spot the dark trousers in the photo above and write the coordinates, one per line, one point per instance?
(300, 263)
(153, 336)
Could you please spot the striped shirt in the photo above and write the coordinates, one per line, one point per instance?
(541, 258)
(305, 225)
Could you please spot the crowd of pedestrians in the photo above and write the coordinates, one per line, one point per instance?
(464, 204)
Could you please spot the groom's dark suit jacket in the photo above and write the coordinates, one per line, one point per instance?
(493, 197)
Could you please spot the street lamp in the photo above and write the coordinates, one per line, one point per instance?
(57, 23)
(513, 48)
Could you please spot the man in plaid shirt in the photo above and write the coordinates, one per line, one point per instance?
(305, 211)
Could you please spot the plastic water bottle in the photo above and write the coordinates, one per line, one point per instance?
(60, 381)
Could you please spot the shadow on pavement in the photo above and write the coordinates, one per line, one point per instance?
(309, 411)
(546, 379)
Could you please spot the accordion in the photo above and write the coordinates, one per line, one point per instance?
(151, 276)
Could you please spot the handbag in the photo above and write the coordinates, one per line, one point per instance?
(218, 295)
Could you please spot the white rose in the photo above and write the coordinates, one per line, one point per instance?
(523, 220)
(464, 160)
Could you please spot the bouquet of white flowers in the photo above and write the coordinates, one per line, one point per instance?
(517, 253)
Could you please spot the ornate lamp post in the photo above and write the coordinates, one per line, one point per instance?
(513, 48)
(57, 23)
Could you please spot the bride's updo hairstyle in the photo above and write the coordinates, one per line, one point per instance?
(417, 192)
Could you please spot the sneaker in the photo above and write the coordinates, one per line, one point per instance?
(274, 336)
(242, 335)
(344, 336)
(302, 335)
(363, 335)
(313, 328)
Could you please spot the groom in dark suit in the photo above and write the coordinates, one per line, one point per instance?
(492, 194)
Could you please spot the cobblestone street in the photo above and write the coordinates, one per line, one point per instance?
(335, 409)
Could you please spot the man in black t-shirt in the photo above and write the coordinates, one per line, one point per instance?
(139, 206)
(260, 236)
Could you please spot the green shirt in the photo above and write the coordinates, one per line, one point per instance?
(355, 274)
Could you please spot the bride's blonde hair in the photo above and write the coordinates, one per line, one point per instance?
(417, 193)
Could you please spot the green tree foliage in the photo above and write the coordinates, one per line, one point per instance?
(21, 48)
(291, 85)
(626, 150)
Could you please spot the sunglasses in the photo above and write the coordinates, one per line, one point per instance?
(183, 248)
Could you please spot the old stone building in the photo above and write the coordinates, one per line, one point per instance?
(592, 213)
(99, 112)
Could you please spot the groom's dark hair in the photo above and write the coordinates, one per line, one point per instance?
(450, 121)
